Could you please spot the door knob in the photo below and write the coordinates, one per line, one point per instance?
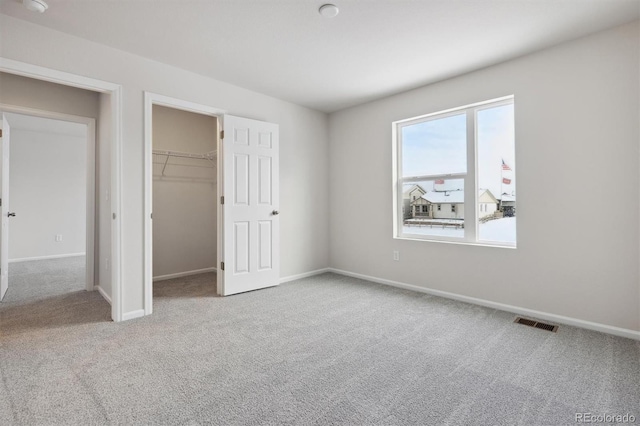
(275, 212)
(11, 214)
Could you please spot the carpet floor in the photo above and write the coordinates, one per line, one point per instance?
(40, 279)
(325, 350)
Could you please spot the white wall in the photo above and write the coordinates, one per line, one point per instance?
(47, 187)
(303, 141)
(184, 198)
(577, 139)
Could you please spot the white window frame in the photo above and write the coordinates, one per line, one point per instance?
(471, 201)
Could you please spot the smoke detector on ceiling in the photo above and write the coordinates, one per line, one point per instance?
(35, 5)
(328, 10)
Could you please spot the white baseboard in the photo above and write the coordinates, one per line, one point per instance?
(133, 315)
(304, 275)
(103, 293)
(560, 319)
(53, 256)
(184, 274)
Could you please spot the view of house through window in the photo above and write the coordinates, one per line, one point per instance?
(496, 174)
(442, 154)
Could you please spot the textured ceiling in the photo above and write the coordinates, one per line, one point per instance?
(373, 48)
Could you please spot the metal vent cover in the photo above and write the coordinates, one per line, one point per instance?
(536, 324)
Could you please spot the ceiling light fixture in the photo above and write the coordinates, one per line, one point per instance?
(35, 5)
(328, 10)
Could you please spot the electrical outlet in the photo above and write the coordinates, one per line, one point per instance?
(396, 255)
(58, 238)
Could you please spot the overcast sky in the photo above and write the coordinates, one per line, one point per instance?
(439, 147)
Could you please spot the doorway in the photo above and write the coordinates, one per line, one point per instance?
(48, 197)
(184, 193)
(156, 165)
(109, 130)
(247, 176)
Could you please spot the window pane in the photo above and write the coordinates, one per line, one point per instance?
(438, 209)
(496, 174)
(435, 147)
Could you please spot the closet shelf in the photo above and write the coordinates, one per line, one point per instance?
(209, 156)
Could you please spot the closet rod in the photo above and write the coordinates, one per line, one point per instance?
(210, 156)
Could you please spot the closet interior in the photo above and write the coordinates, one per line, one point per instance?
(184, 197)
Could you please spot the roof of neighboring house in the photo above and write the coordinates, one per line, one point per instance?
(481, 192)
(451, 197)
(412, 187)
(506, 197)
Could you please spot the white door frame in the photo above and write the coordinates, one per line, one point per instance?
(90, 177)
(115, 91)
(151, 99)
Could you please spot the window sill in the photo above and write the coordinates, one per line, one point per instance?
(495, 244)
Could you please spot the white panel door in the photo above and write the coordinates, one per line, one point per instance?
(4, 210)
(251, 221)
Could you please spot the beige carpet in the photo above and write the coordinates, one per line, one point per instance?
(319, 351)
(40, 279)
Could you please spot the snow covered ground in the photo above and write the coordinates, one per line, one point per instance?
(503, 230)
(499, 230)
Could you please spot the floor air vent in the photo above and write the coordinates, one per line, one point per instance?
(536, 324)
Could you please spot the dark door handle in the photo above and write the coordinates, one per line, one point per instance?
(275, 212)
(11, 214)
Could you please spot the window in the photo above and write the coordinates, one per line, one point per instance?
(464, 157)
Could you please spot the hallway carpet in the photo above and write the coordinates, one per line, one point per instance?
(39, 279)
